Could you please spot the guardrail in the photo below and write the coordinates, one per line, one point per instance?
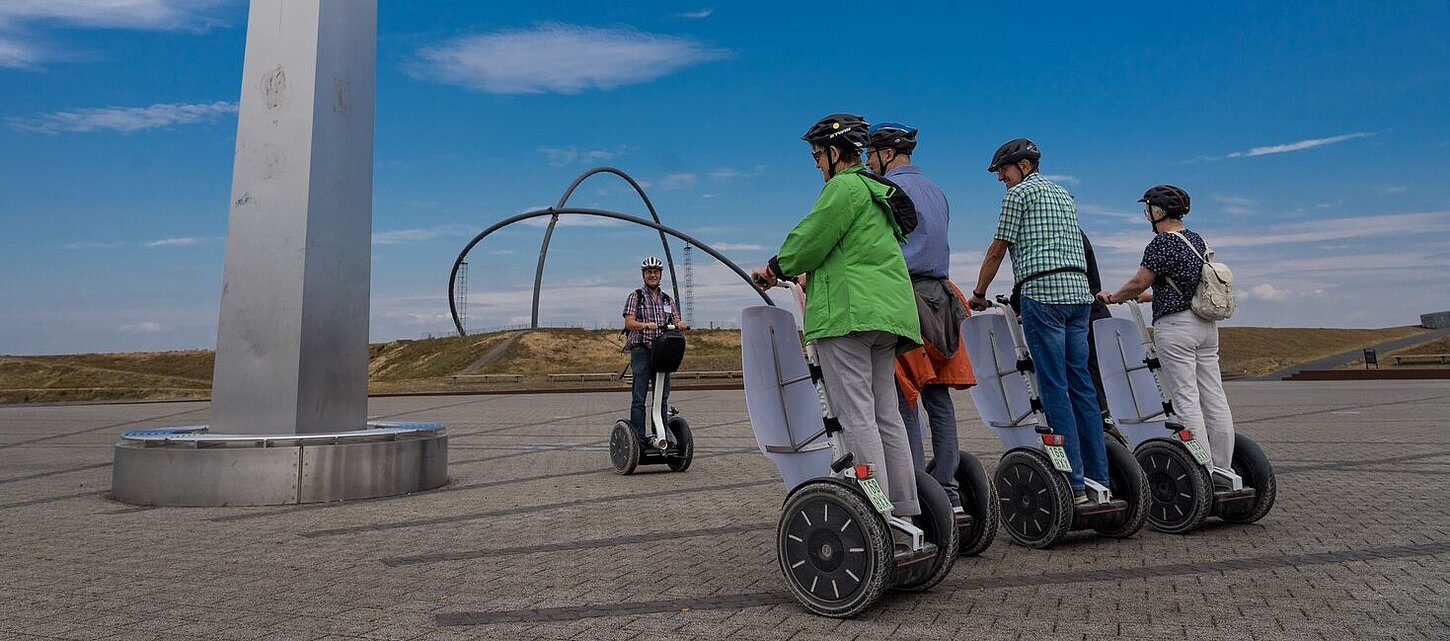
(486, 378)
(1422, 358)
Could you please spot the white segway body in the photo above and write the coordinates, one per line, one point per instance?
(1185, 488)
(1034, 497)
(834, 540)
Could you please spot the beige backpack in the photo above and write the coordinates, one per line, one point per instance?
(1214, 298)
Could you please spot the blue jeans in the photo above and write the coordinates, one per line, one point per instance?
(942, 416)
(644, 376)
(1057, 338)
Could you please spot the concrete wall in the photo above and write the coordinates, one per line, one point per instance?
(1435, 320)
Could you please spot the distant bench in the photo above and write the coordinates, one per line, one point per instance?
(591, 376)
(487, 378)
(727, 374)
(1421, 358)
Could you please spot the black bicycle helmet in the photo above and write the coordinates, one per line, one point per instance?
(893, 135)
(1012, 151)
(846, 131)
(1173, 200)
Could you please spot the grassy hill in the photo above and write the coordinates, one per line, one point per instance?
(407, 366)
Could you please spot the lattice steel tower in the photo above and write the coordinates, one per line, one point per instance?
(689, 303)
(463, 295)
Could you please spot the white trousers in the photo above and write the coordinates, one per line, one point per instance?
(860, 373)
(1188, 349)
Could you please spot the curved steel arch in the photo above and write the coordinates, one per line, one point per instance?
(553, 220)
(556, 212)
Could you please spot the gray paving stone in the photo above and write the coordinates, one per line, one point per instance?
(535, 532)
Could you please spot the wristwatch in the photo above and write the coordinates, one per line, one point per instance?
(981, 295)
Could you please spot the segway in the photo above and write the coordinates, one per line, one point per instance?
(669, 440)
(1185, 489)
(977, 520)
(836, 542)
(1034, 497)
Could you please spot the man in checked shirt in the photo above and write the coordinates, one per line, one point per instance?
(646, 313)
(1038, 224)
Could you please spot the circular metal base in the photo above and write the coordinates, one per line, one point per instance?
(190, 467)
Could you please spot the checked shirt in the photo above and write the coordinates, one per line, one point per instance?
(1039, 225)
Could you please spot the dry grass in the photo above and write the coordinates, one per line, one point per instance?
(411, 366)
(1254, 351)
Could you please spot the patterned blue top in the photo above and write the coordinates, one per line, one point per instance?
(1167, 257)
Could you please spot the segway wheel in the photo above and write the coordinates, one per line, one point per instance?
(1130, 484)
(939, 527)
(979, 501)
(623, 448)
(834, 549)
(1251, 464)
(683, 451)
(1035, 500)
(1180, 494)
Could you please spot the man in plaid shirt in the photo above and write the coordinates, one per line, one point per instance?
(646, 312)
(1038, 225)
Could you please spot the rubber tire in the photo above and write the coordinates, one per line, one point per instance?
(1019, 478)
(1163, 461)
(939, 527)
(684, 449)
(1251, 464)
(865, 530)
(1130, 484)
(979, 499)
(624, 448)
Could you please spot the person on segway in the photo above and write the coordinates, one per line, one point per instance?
(1187, 343)
(941, 364)
(647, 311)
(1038, 225)
(860, 309)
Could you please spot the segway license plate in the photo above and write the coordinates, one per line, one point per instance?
(1059, 457)
(1200, 453)
(873, 490)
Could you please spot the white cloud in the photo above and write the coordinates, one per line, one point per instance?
(1063, 178)
(678, 181)
(18, 48)
(562, 156)
(696, 15)
(145, 327)
(93, 245)
(1267, 292)
(725, 247)
(1391, 190)
(405, 236)
(173, 242)
(1299, 146)
(572, 220)
(123, 119)
(559, 58)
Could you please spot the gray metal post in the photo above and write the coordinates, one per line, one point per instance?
(292, 336)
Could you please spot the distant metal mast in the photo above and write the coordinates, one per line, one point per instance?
(463, 294)
(689, 303)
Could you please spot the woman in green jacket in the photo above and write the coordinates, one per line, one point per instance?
(860, 308)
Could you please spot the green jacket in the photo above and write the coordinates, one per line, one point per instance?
(850, 245)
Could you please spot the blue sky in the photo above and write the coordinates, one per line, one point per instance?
(1312, 137)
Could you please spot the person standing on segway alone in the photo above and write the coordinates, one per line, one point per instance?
(859, 305)
(941, 363)
(1038, 225)
(1187, 343)
(647, 311)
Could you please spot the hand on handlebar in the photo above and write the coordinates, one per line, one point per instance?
(763, 279)
(978, 304)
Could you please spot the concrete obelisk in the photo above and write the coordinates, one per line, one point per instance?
(292, 338)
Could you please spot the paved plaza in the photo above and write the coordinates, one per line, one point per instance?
(535, 538)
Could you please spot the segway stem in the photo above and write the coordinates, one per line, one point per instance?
(1024, 364)
(657, 427)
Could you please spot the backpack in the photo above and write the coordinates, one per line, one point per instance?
(639, 309)
(1214, 298)
(902, 209)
